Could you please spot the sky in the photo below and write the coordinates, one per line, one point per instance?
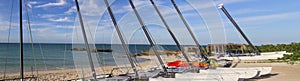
(56, 21)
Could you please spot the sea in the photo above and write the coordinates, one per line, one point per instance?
(47, 56)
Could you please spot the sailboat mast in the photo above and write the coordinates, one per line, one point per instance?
(221, 6)
(189, 29)
(171, 33)
(148, 36)
(21, 43)
(86, 41)
(121, 38)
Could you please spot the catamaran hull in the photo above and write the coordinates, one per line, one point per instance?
(179, 79)
(219, 77)
(263, 70)
(245, 74)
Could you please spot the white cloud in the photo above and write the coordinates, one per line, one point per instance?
(137, 3)
(203, 5)
(39, 24)
(230, 1)
(269, 17)
(4, 25)
(249, 11)
(3, 28)
(29, 4)
(50, 34)
(55, 17)
(58, 3)
(90, 8)
(71, 10)
(40, 29)
(64, 27)
(33, 2)
(65, 19)
(46, 15)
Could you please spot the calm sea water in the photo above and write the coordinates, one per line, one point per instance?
(53, 56)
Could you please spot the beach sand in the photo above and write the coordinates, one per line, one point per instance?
(71, 74)
(280, 71)
(67, 74)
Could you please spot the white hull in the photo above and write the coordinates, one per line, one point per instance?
(246, 74)
(199, 77)
(179, 79)
(263, 70)
(219, 77)
(263, 56)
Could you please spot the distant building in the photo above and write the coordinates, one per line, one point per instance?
(226, 48)
(218, 49)
(190, 49)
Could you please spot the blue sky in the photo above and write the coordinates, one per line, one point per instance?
(55, 21)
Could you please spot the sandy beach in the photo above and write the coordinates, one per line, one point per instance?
(280, 71)
(71, 74)
(66, 74)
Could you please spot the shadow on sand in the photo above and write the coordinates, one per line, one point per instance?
(262, 77)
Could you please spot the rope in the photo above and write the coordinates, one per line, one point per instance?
(31, 39)
(127, 52)
(65, 51)
(40, 46)
(148, 36)
(88, 50)
(43, 57)
(94, 44)
(8, 38)
(102, 58)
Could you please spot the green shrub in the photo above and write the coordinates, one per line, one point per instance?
(293, 48)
